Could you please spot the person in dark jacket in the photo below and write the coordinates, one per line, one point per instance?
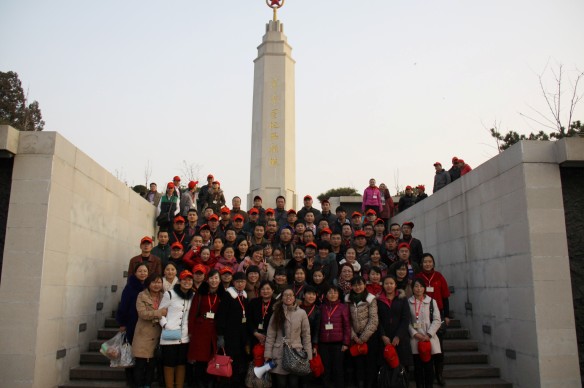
(203, 193)
(168, 207)
(394, 318)
(307, 208)
(454, 171)
(442, 177)
(145, 257)
(407, 200)
(416, 250)
(260, 312)
(127, 314)
(162, 250)
(421, 193)
(334, 336)
(232, 317)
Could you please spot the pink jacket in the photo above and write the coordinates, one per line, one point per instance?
(372, 197)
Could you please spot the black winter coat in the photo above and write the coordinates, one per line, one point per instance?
(230, 325)
(394, 322)
(127, 315)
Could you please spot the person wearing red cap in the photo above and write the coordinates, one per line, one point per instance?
(403, 253)
(215, 198)
(454, 171)
(176, 257)
(442, 177)
(168, 207)
(463, 167)
(178, 232)
(177, 189)
(188, 199)
(407, 200)
(236, 209)
(203, 193)
(371, 198)
(421, 193)
(356, 220)
(425, 322)
(152, 262)
(307, 207)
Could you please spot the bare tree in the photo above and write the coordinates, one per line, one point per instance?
(396, 181)
(191, 170)
(558, 116)
(147, 172)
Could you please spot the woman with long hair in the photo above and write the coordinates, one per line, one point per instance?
(170, 277)
(299, 282)
(202, 327)
(241, 247)
(400, 271)
(174, 351)
(364, 321)
(436, 288)
(147, 333)
(289, 322)
(394, 319)
(425, 318)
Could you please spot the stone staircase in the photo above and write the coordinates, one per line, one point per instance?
(465, 366)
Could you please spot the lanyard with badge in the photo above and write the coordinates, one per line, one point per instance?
(429, 288)
(211, 314)
(329, 325)
(265, 308)
(243, 319)
(417, 325)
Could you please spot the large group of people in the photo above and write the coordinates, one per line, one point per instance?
(234, 282)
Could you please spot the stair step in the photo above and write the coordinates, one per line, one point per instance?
(94, 384)
(460, 345)
(465, 358)
(470, 371)
(107, 333)
(95, 345)
(93, 358)
(478, 383)
(111, 323)
(455, 324)
(459, 333)
(97, 372)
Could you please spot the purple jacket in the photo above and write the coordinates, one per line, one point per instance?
(341, 331)
(372, 197)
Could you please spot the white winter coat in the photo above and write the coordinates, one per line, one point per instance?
(177, 316)
(429, 325)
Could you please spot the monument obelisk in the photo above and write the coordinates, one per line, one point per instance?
(273, 137)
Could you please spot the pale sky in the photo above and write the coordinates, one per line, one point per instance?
(383, 88)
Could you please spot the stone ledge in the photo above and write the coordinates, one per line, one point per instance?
(9, 137)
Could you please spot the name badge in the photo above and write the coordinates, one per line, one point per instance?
(374, 196)
(261, 326)
(210, 315)
(328, 326)
(417, 325)
(243, 320)
(429, 289)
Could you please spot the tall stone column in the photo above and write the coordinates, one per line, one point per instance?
(273, 142)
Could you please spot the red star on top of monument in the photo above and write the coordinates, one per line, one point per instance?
(275, 2)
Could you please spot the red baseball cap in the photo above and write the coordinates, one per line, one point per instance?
(291, 211)
(437, 164)
(409, 223)
(176, 178)
(307, 197)
(176, 244)
(254, 210)
(210, 176)
(326, 231)
(404, 245)
(146, 239)
(425, 350)
(379, 221)
(454, 159)
(371, 211)
(408, 187)
(224, 210)
(200, 268)
(238, 217)
(185, 274)
(213, 217)
(359, 233)
(192, 184)
(356, 214)
(270, 211)
(226, 270)
(312, 245)
(170, 185)
(179, 219)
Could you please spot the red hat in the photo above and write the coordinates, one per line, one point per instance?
(359, 349)
(454, 159)
(316, 365)
(210, 176)
(176, 178)
(425, 350)
(359, 233)
(238, 217)
(170, 185)
(291, 211)
(192, 184)
(254, 210)
(257, 197)
(460, 161)
(421, 187)
(270, 211)
(409, 223)
(390, 356)
(408, 187)
(225, 270)
(213, 217)
(311, 245)
(325, 201)
(379, 221)
(371, 211)
(307, 197)
(218, 183)
(179, 219)
(185, 274)
(326, 231)
(146, 239)
(356, 214)
(404, 245)
(176, 244)
(204, 227)
(388, 236)
(200, 268)
(437, 164)
(225, 210)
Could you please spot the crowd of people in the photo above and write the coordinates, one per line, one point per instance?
(340, 287)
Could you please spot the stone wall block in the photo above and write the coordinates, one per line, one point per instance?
(35, 167)
(38, 143)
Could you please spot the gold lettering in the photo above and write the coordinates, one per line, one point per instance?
(274, 124)
(275, 100)
(274, 149)
(274, 135)
(273, 162)
(274, 83)
(274, 114)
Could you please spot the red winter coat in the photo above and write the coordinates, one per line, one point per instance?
(438, 282)
(192, 258)
(341, 331)
(202, 329)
